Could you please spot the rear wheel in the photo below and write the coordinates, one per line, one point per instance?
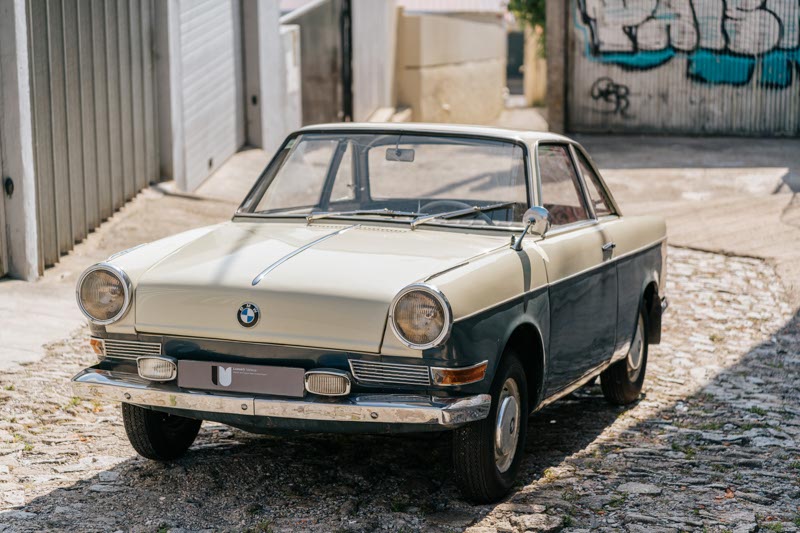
(158, 436)
(487, 454)
(622, 381)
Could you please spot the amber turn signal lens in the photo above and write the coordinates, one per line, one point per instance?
(98, 346)
(459, 376)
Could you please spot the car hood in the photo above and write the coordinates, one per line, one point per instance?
(332, 294)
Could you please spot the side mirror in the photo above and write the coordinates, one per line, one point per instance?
(537, 221)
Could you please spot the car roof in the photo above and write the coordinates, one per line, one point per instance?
(453, 129)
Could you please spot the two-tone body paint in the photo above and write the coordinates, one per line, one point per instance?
(330, 302)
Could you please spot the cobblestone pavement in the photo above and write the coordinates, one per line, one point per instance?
(714, 444)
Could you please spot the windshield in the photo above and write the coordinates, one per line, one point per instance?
(402, 177)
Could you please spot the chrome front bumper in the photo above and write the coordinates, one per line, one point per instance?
(93, 383)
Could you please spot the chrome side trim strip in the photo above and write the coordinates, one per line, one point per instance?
(93, 383)
(300, 250)
(610, 261)
(545, 287)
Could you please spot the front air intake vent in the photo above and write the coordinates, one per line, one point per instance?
(390, 373)
(132, 350)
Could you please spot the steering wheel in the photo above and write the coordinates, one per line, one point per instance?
(444, 206)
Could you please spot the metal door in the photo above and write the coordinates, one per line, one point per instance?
(211, 85)
(92, 91)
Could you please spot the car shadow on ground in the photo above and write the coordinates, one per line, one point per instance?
(234, 479)
(723, 454)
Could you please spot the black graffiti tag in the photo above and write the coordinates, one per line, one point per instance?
(612, 93)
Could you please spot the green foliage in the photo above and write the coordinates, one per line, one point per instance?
(529, 11)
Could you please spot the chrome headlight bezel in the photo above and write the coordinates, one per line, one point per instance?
(126, 290)
(434, 292)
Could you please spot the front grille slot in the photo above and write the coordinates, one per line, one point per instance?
(390, 373)
(131, 350)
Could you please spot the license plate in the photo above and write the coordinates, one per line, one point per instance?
(232, 377)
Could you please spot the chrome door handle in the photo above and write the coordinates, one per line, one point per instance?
(609, 246)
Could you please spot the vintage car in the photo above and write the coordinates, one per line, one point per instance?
(385, 278)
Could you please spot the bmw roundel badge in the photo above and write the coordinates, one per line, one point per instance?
(248, 315)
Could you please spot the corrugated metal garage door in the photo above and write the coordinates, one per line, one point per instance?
(211, 85)
(92, 92)
(684, 66)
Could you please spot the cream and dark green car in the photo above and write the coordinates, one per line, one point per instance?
(382, 279)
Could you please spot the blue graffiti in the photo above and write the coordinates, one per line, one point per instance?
(725, 41)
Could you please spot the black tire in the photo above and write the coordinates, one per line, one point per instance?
(158, 436)
(477, 474)
(621, 383)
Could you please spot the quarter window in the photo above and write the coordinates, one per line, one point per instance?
(602, 206)
(561, 192)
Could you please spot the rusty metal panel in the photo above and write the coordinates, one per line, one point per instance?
(684, 66)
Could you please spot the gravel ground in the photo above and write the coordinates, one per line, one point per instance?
(714, 444)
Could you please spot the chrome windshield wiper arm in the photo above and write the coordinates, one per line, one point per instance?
(460, 213)
(378, 212)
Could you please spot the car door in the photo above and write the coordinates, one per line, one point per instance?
(620, 247)
(582, 278)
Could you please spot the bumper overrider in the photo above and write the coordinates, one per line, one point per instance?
(361, 408)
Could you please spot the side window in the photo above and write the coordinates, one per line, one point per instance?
(561, 193)
(602, 206)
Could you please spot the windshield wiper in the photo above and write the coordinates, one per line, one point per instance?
(377, 212)
(460, 213)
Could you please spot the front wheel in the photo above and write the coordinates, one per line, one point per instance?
(487, 454)
(622, 381)
(156, 435)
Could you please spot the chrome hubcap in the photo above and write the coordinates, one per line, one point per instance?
(636, 353)
(506, 430)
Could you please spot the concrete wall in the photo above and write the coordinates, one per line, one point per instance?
(21, 256)
(272, 75)
(451, 68)
(688, 66)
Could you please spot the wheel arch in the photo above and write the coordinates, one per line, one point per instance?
(527, 341)
(651, 303)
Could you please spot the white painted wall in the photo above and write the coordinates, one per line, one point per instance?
(374, 45)
(16, 143)
(272, 75)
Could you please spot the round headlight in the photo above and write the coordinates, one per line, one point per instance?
(103, 293)
(420, 317)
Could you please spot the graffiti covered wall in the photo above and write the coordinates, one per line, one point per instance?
(685, 66)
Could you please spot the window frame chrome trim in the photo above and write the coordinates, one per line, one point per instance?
(548, 285)
(127, 289)
(434, 291)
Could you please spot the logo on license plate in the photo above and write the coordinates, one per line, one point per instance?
(221, 376)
